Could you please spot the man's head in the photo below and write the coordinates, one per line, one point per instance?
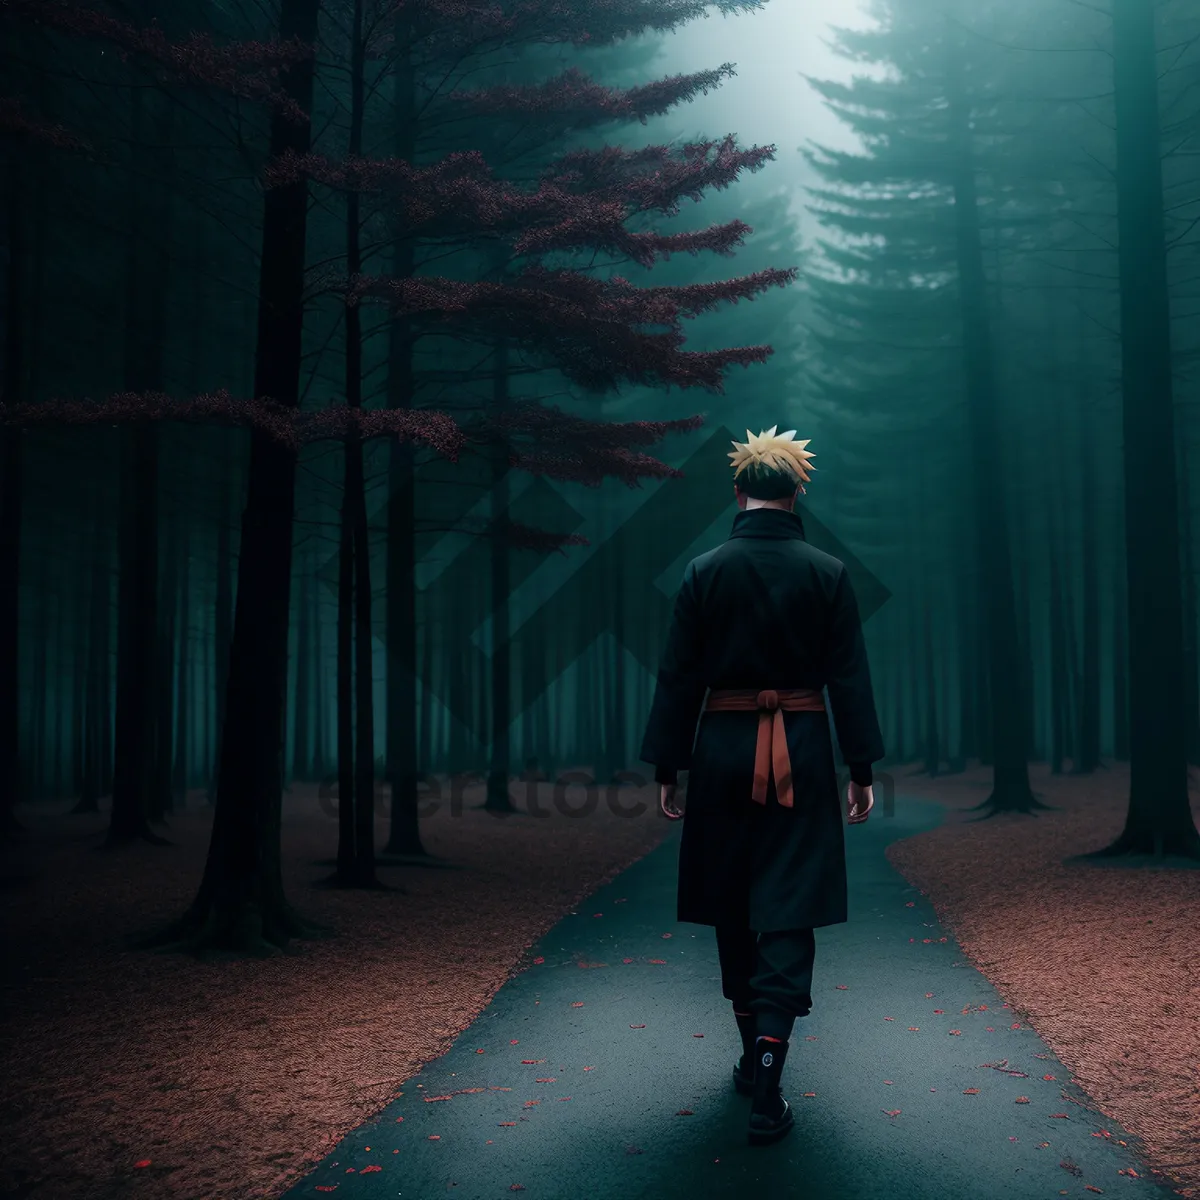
(770, 469)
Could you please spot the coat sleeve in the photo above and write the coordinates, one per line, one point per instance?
(848, 679)
(679, 691)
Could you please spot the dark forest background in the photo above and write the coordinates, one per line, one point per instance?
(993, 344)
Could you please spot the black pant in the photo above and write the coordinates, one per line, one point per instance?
(769, 974)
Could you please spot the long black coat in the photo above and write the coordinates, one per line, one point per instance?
(763, 610)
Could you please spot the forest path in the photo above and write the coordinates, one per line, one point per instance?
(592, 1081)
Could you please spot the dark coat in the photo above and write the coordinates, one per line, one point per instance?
(763, 610)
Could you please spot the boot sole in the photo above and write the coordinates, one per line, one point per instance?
(764, 1137)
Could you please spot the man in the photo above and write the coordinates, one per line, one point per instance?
(762, 624)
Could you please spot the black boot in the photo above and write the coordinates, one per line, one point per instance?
(770, 1114)
(743, 1071)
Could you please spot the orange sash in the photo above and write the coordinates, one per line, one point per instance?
(771, 752)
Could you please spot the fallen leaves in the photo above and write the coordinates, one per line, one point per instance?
(537, 962)
(685, 1112)
(506, 1124)
(891, 1112)
(1021, 1100)
(551, 1079)
(142, 1162)
(667, 935)
(370, 1170)
(658, 962)
(841, 987)
(970, 1091)
(1061, 1116)
(531, 1062)
(697, 1035)
(576, 1003)
(637, 1027)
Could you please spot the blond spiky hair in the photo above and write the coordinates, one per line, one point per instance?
(773, 452)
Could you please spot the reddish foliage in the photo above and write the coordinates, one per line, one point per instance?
(278, 421)
(245, 69)
(15, 122)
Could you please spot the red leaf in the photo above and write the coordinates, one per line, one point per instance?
(478, 1051)
(431, 1099)
(562, 1098)
(697, 1035)
(928, 995)
(841, 987)
(539, 960)
(810, 1095)
(516, 1187)
(589, 1068)
(1098, 1191)
(531, 1103)
(326, 1187)
(939, 1011)
(956, 1033)
(970, 1091)
(493, 1088)
(627, 960)
(889, 1018)
(658, 962)
(531, 1062)
(667, 935)
(435, 1137)
(369, 1170)
(513, 1042)
(552, 1079)
(685, 1112)
(1021, 1100)
(399, 1119)
(631, 1027)
(1048, 1078)
(142, 1162)
(1062, 1116)
(502, 1124)
(576, 1003)
(914, 1029)
(891, 1112)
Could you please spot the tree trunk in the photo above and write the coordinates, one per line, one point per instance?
(14, 772)
(302, 701)
(402, 760)
(222, 622)
(1087, 736)
(1159, 820)
(161, 800)
(96, 714)
(241, 904)
(498, 798)
(1007, 659)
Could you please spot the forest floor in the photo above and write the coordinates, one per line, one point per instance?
(229, 1079)
(1104, 960)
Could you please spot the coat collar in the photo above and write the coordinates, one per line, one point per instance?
(768, 523)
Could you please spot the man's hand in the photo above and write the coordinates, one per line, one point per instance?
(860, 801)
(666, 801)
